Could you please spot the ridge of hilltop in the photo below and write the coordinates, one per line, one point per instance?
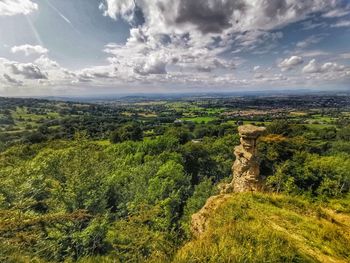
(260, 227)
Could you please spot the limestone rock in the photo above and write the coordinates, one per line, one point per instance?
(199, 222)
(246, 172)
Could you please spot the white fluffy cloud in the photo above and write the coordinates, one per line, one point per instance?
(183, 42)
(290, 63)
(193, 33)
(314, 67)
(16, 7)
(29, 49)
(171, 37)
(42, 71)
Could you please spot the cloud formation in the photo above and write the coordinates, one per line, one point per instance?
(311, 40)
(16, 7)
(214, 16)
(342, 23)
(170, 37)
(192, 43)
(29, 49)
(27, 70)
(290, 63)
(314, 67)
(11, 80)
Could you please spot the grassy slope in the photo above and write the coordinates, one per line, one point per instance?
(272, 228)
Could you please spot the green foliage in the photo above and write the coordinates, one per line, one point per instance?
(138, 239)
(66, 197)
(78, 193)
(344, 133)
(36, 137)
(201, 193)
(128, 132)
(326, 176)
(182, 134)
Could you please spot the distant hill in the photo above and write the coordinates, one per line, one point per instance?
(272, 228)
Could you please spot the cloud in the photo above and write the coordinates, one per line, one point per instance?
(338, 12)
(312, 53)
(313, 25)
(225, 24)
(290, 63)
(342, 23)
(214, 16)
(155, 64)
(46, 63)
(11, 80)
(29, 49)
(16, 7)
(313, 67)
(311, 40)
(345, 56)
(94, 73)
(196, 42)
(43, 71)
(27, 70)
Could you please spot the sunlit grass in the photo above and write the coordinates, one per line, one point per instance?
(271, 228)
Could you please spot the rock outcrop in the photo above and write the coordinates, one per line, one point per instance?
(246, 170)
(199, 222)
(246, 176)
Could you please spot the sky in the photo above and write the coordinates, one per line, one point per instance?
(96, 47)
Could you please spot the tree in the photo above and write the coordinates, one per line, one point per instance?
(127, 132)
(35, 137)
(181, 133)
(344, 133)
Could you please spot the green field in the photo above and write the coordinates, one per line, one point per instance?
(200, 119)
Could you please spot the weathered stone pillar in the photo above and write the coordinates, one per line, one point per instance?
(246, 172)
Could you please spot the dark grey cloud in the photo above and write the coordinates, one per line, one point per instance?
(11, 80)
(27, 70)
(214, 16)
(209, 16)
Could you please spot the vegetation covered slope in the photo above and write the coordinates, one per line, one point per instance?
(272, 228)
(88, 200)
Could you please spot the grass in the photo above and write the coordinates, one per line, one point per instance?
(271, 228)
(318, 125)
(297, 113)
(200, 119)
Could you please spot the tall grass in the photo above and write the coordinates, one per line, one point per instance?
(271, 228)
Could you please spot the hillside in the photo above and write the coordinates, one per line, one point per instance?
(108, 183)
(271, 228)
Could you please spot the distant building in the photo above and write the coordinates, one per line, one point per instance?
(178, 121)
